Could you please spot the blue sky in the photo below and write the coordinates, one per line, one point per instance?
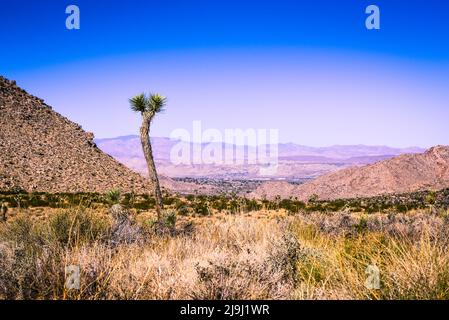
(308, 68)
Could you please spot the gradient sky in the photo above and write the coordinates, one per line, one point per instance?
(308, 68)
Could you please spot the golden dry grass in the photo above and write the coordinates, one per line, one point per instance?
(255, 256)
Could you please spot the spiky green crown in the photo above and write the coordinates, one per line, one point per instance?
(153, 103)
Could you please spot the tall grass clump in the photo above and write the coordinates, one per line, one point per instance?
(413, 264)
(33, 254)
(77, 227)
(238, 258)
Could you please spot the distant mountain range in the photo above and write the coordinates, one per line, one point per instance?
(295, 162)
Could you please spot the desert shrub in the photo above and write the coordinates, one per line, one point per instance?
(169, 217)
(376, 207)
(165, 226)
(407, 274)
(126, 232)
(336, 205)
(264, 270)
(38, 200)
(219, 203)
(129, 199)
(21, 231)
(233, 206)
(74, 227)
(147, 204)
(316, 207)
(201, 208)
(252, 205)
(30, 274)
(430, 198)
(292, 206)
(27, 261)
(402, 208)
(168, 201)
(18, 200)
(183, 210)
(361, 226)
(181, 207)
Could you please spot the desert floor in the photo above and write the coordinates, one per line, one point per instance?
(258, 255)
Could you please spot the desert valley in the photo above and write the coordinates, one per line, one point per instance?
(226, 232)
(43, 151)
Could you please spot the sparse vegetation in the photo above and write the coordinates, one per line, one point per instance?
(305, 256)
(220, 247)
(210, 204)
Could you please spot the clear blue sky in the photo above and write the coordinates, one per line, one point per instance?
(308, 68)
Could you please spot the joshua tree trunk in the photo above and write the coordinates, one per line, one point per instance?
(148, 152)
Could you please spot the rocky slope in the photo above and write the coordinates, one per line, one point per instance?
(404, 173)
(40, 150)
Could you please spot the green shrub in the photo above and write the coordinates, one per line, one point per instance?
(37, 200)
(336, 205)
(147, 205)
(252, 205)
(292, 206)
(71, 227)
(22, 231)
(362, 226)
(183, 210)
(402, 208)
(201, 208)
(168, 201)
(234, 206)
(430, 198)
(170, 218)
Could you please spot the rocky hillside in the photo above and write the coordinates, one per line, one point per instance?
(402, 174)
(40, 150)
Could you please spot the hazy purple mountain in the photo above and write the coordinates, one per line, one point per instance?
(295, 161)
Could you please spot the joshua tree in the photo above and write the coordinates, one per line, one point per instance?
(149, 106)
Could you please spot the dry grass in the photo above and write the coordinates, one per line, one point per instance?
(313, 256)
(236, 258)
(411, 252)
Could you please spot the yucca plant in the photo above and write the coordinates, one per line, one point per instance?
(148, 106)
(113, 196)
